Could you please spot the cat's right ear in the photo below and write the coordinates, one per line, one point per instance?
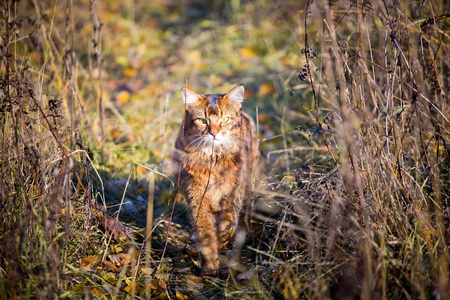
(189, 96)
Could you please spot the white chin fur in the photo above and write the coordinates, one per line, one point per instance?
(207, 149)
(217, 140)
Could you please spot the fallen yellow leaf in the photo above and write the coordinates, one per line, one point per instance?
(110, 265)
(193, 278)
(140, 170)
(115, 133)
(247, 53)
(128, 72)
(122, 97)
(95, 292)
(89, 262)
(180, 295)
(147, 271)
(201, 65)
(132, 285)
(110, 277)
(266, 89)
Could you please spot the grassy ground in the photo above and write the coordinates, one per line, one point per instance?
(352, 104)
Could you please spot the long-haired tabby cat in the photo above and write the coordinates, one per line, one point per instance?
(216, 151)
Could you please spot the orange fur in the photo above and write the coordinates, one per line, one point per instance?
(216, 150)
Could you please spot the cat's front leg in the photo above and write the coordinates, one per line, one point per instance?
(228, 220)
(204, 221)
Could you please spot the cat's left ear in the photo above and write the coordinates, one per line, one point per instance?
(189, 96)
(236, 94)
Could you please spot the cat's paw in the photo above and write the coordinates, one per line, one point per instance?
(210, 273)
(210, 264)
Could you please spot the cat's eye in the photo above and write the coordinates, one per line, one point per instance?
(224, 120)
(201, 121)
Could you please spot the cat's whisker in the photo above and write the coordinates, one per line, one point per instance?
(235, 138)
(227, 145)
(200, 145)
(195, 136)
(195, 140)
(239, 137)
(195, 147)
(234, 145)
(232, 142)
(189, 139)
(237, 142)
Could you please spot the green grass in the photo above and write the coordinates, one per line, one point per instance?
(352, 105)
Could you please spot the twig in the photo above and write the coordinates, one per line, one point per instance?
(312, 85)
(98, 48)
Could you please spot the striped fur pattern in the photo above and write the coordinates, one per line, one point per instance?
(216, 149)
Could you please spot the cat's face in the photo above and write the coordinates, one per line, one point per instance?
(213, 121)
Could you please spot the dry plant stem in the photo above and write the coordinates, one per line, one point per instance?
(148, 241)
(311, 81)
(283, 135)
(178, 184)
(354, 185)
(98, 47)
(250, 209)
(436, 72)
(8, 92)
(415, 86)
(280, 226)
(134, 269)
(4, 122)
(68, 233)
(70, 68)
(66, 156)
(163, 125)
(412, 87)
(386, 66)
(308, 66)
(433, 58)
(47, 41)
(122, 276)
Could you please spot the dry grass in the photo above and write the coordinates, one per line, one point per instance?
(354, 117)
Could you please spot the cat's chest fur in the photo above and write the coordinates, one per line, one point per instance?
(217, 177)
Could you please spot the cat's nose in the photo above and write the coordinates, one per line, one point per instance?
(214, 130)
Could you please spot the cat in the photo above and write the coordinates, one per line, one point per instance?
(216, 151)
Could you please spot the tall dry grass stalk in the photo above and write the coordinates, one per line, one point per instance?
(39, 178)
(382, 227)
